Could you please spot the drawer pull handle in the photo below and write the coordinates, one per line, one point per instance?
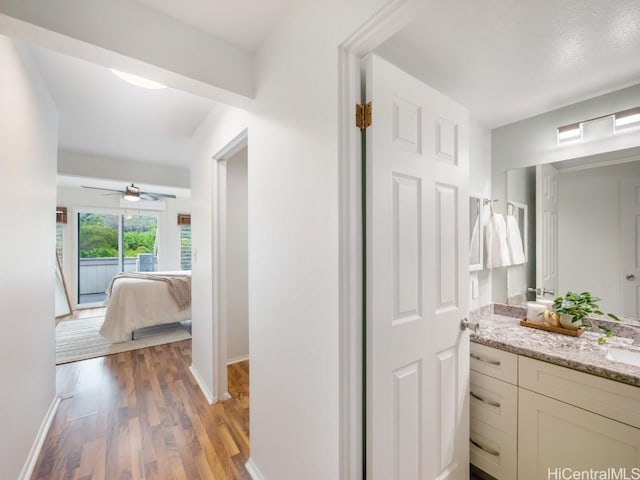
(484, 449)
(488, 402)
(491, 362)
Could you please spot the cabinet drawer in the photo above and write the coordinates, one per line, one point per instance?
(495, 363)
(608, 398)
(493, 451)
(494, 402)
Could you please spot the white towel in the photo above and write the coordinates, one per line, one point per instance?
(474, 248)
(514, 241)
(496, 242)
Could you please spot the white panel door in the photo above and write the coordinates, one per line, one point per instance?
(416, 282)
(547, 228)
(630, 235)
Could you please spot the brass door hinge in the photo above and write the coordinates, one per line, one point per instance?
(363, 116)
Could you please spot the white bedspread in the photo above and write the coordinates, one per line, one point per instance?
(137, 303)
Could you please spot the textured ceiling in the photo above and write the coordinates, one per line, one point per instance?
(506, 60)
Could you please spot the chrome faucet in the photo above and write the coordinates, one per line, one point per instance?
(541, 291)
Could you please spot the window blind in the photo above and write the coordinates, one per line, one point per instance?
(184, 221)
(61, 214)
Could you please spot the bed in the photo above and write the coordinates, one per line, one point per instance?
(136, 301)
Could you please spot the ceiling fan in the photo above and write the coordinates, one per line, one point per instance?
(133, 193)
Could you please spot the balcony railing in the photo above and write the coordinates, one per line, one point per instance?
(96, 273)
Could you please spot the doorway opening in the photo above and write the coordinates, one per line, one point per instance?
(230, 258)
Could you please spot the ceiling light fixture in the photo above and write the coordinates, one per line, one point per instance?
(628, 119)
(138, 81)
(570, 133)
(619, 122)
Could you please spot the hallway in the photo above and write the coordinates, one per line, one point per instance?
(140, 414)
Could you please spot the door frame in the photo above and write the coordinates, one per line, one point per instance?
(75, 249)
(388, 20)
(219, 257)
(625, 242)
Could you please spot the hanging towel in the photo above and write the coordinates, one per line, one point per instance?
(496, 242)
(514, 241)
(474, 248)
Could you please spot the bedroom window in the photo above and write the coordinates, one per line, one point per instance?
(184, 223)
(59, 227)
(109, 244)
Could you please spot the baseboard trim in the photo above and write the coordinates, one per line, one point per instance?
(36, 448)
(238, 359)
(203, 387)
(254, 473)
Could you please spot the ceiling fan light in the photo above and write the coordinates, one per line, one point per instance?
(131, 197)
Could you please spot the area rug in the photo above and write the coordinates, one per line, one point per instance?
(80, 339)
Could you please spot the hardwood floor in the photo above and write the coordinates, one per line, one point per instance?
(140, 415)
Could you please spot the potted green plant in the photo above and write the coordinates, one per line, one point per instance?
(574, 309)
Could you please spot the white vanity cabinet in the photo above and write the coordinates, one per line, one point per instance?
(529, 418)
(493, 403)
(572, 420)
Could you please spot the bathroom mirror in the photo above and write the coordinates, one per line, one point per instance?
(521, 203)
(475, 234)
(597, 239)
(520, 213)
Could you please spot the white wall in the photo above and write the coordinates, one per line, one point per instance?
(97, 166)
(168, 231)
(533, 141)
(293, 241)
(220, 127)
(237, 258)
(28, 144)
(589, 232)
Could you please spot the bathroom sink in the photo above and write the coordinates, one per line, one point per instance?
(632, 357)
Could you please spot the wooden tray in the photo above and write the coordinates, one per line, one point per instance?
(549, 328)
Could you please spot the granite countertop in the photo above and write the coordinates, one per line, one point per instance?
(579, 353)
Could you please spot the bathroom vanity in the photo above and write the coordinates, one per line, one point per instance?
(541, 401)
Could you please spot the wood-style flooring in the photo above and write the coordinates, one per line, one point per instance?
(140, 415)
